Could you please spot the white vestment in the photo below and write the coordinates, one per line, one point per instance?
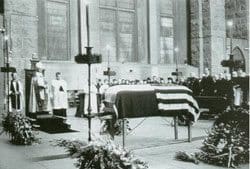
(237, 96)
(59, 94)
(39, 94)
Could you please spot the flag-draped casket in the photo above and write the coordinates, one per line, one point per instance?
(145, 101)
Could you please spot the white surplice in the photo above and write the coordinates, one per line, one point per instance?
(59, 94)
(39, 94)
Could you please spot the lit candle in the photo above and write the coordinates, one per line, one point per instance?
(230, 25)
(108, 50)
(87, 23)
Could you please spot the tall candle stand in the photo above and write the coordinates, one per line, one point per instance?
(7, 68)
(108, 72)
(88, 59)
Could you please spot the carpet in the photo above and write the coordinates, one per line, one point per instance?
(53, 124)
(56, 131)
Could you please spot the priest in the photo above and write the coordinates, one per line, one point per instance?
(15, 94)
(59, 96)
(39, 92)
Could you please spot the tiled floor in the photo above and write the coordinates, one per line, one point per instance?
(153, 141)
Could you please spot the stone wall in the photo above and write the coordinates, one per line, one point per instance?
(124, 70)
(21, 26)
(218, 35)
(238, 11)
(195, 18)
(76, 74)
(208, 34)
(1, 65)
(27, 28)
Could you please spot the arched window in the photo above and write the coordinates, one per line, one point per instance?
(239, 58)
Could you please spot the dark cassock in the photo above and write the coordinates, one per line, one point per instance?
(15, 96)
(246, 91)
(229, 92)
(194, 84)
(39, 94)
(220, 87)
(207, 86)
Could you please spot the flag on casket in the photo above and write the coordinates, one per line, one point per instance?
(177, 99)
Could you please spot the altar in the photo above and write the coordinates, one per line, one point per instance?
(132, 101)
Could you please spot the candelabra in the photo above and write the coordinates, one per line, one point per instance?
(230, 63)
(88, 59)
(108, 72)
(230, 25)
(176, 73)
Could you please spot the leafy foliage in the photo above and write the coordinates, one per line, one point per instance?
(228, 141)
(184, 156)
(101, 154)
(19, 129)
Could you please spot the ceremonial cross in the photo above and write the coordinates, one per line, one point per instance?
(109, 73)
(7, 69)
(231, 63)
(177, 74)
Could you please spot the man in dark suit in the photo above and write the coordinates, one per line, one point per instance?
(193, 84)
(207, 84)
(220, 86)
(229, 90)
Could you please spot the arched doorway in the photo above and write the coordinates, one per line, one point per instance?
(239, 59)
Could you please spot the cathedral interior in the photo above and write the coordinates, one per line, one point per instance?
(93, 43)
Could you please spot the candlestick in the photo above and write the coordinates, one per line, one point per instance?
(87, 23)
(89, 72)
(80, 27)
(176, 62)
(108, 58)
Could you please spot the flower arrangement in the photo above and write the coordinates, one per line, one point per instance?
(19, 129)
(227, 143)
(115, 128)
(184, 156)
(101, 154)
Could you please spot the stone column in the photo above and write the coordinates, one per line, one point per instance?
(196, 34)
(22, 28)
(1, 65)
(208, 34)
(154, 41)
(214, 34)
(218, 35)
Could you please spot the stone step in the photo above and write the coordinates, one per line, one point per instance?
(48, 122)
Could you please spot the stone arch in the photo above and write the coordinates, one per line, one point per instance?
(239, 58)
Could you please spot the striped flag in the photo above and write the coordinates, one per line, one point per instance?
(145, 100)
(177, 99)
